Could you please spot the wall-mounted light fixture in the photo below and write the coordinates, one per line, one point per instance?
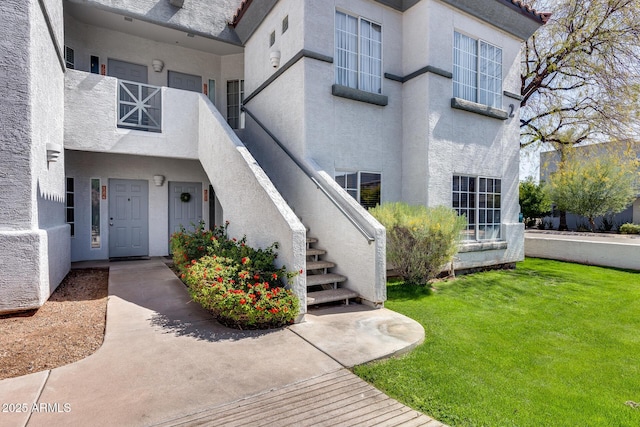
(274, 58)
(158, 180)
(53, 151)
(157, 65)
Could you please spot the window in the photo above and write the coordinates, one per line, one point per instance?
(272, 38)
(478, 199)
(358, 53)
(285, 24)
(477, 71)
(70, 205)
(95, 213)
(362, 186)
(235, 96)
(211, 91)
(69, 58)
(95, 64)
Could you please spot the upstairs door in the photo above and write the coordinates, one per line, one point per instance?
(184, 211)
(185, 81)
(127, 71)
(128, 218)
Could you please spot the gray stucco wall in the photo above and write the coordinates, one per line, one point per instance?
(15, 137)
(206, 18)
(34, 241)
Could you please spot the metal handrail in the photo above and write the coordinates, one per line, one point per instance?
(307, 171)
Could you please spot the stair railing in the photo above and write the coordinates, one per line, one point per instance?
(139, 106)
(309, 172)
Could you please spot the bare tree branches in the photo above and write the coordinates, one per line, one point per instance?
(581, 73)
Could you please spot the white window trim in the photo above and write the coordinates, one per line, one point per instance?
(478, 41)
(91, 247)
(73, 207)
(358, 53)
(476, 231)
(358, 181)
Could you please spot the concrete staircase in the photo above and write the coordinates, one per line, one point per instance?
(322, 286)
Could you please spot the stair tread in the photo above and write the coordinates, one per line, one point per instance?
(312, 240)
(321, 297)
(313, 251)
(315, 265)
(320, 279)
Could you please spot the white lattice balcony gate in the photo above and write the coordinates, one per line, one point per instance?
(139, 106)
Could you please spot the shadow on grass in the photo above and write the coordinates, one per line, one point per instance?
(404, 291)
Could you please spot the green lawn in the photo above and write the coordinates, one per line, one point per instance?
(547, 344)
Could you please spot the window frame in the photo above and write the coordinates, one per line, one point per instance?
(476, 231)
(98, 243)
(358, 188)
(494, 96)
(237, 107)
(70, 205)
(359, 73)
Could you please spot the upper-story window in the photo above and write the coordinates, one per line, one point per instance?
(477, 71)
(358, 53)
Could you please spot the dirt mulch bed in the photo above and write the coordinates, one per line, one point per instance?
(67, 328)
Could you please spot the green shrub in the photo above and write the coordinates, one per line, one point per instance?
(239, 284)
(630, 228)
(420, 240)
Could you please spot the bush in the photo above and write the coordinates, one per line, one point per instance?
(629, 228)
(237, 298)
(420, 240)
(240, 285)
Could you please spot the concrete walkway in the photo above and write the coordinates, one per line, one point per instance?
(165, 362)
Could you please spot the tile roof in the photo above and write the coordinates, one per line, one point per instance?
(241, 10)
(525, 8)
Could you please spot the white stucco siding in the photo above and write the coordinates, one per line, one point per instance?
(32, 217)
(257, 51)
(84, 166)
(91, 120)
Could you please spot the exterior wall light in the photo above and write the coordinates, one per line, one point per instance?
(274, 57)
(157, 65)
(53, 151)
(159, 180)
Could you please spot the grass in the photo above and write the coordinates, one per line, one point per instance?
(547, 344)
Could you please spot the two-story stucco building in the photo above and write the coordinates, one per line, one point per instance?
(122, 120)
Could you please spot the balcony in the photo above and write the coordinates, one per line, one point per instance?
(104, 114)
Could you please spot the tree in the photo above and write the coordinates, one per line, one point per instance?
(581, 73)
(592, 187)
(534, 200)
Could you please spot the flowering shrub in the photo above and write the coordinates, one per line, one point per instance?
(240, 285)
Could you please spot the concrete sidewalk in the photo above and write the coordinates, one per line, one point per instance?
(166, 361)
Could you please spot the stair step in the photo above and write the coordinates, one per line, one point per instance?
(312, 240)
(321, 297)
(317, 265)
(323, 279)
(315, 252)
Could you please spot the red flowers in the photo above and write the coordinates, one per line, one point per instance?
(244, 260)
(274, 276)
(220, 279)
(256, 277)
(243, 301)
(301, 271)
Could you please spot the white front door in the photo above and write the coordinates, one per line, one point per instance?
(128, 218)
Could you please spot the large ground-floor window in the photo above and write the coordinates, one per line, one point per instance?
(478, 199)
(362, 186)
